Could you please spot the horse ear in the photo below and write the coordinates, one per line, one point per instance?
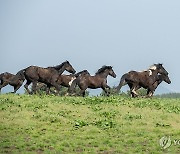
(153, 67)
(67, 61)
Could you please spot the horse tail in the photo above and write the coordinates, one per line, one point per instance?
(20, 74)
(122, 82)
(1, 76)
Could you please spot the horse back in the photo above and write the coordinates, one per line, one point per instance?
(6, 76)
(39, 73)
(95, 81)
(64, 79)
(139, 78)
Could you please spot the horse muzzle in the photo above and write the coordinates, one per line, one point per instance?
(114, 75)
(73, 72)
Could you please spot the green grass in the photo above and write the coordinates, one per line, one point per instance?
(116, 124)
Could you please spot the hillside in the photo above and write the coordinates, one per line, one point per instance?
(116, 124)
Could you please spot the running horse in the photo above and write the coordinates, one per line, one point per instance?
(99, 80)
(65, 80)
(144, 79)
(48, 76)
(14, 80)
(160, 79)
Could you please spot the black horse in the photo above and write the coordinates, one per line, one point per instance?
(14, 80)
(49, 75)
(94, 82)
(144, 79)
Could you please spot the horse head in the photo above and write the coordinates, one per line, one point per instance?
(106, 70)
(159, 67)
(69, 68)
(166, 79)
(111, 72)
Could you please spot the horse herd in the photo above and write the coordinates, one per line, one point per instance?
(53, 77)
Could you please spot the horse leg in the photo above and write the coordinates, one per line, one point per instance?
(28, 82)
(135, 94)
(132, 90)
(82, 92)
(5, 83)
(34, 84)
(57, 87)
(83, 88)
(72, 87)
(48, 89)
(107, 93)
(150, 93)
(17, 86)
(67, 93)
(108, 87)
(136, 87)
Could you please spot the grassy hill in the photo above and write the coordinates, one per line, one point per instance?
(116, 124)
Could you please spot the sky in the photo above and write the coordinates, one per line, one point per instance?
(126, 34)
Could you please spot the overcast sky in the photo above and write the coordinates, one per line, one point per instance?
(127, 34)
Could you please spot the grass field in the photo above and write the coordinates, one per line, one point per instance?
(116, 124)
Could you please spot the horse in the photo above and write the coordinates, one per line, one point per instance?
(49, 75)
(160, 79)
(14, 80)
(99, 80)
(66, 80)
(144, 79)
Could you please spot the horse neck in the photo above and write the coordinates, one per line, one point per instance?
(103, 74)
(157, 82)
(62, 69)
(78, 74)
(155, 74)
(160, 79)
(58, 66)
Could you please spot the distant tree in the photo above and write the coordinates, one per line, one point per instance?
(169, 95)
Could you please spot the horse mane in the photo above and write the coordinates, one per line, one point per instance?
(20, 75)
(155, 66)
(58, 67)
(102, 69)
(20, 72)
(79, 73)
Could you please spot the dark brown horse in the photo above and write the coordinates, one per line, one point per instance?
(160, 79)
(94, 82)
(14, 80)
(66, 80)
(49, 75)
(144, 79)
